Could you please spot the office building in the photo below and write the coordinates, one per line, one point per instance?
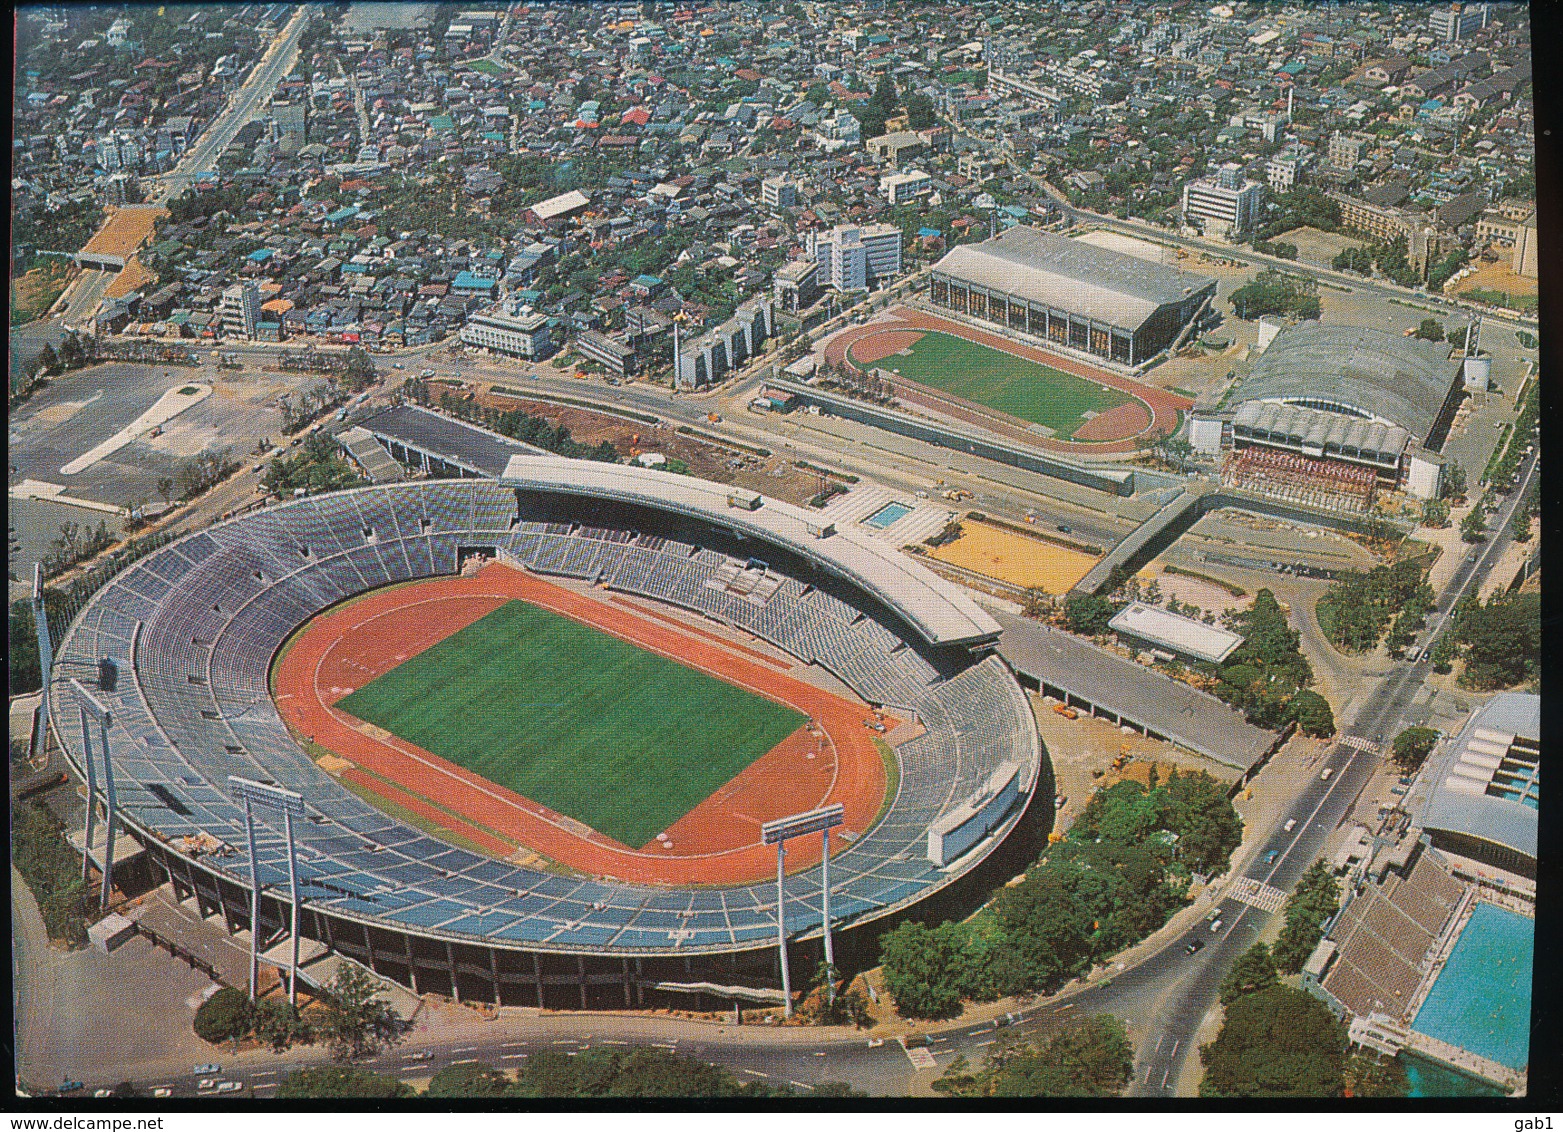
(851, 258)
(511, 329)
(1224, 205)
(240, 310)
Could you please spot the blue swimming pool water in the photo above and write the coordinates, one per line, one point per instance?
(1429, 1079)
(886, 515)
(1481, 1001)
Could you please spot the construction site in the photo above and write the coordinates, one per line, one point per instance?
(1326, 484)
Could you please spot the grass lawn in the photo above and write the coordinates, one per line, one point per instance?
(1017, 386)
(487, 67)
(597, 729)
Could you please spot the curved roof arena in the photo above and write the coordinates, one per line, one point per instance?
(1405, 381)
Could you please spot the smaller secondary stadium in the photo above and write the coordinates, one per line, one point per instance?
(536, 725)
(1337, 412)
(1071, 294)
(1042, 397)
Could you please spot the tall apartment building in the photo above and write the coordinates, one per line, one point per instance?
(118, 150)
(796, 285)
(292, 119)
(240, 310)
(1346, 149)
(778, 192)
(1226, 204)
(1456, 21)
(851, 258)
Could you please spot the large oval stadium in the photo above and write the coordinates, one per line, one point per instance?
(537, 723)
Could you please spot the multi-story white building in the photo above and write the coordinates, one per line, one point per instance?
(118, 150)
(1346, 149)
(1224, 205)
(851, 258)
(1456, 21)
(898, 188)
(840, 131)
(1282, 169)
(510, 329)
(240, 310)
(778, 192)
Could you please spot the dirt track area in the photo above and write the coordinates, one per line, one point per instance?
(832, 759)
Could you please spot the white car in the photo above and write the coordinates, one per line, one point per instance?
(1291, 824)
(162, 1091)
(206, 1083)
(229, 1086)
(1324, 775)
(101, 1093)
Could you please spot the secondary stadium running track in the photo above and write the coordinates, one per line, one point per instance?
(831, 759)
(897, 329)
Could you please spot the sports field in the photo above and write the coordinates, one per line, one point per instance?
(1014, 558)
(1014, 385)
(616, 737)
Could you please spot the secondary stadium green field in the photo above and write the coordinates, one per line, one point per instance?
(1017, 386)
(590, 726)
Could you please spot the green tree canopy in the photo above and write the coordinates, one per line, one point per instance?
(1251, 972)
(1315, 899)
(922, 969)
(224, 1017)
(1090, 1059)
(344, 1082)
(1412, 746)
(1277, 1043)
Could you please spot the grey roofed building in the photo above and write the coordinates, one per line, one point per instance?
(1108, 683)
(1478, 797)
(1113, 288)
(1324, 431)
(1182, 636)
(1074, 294)
(428, 439)
(1359, 372)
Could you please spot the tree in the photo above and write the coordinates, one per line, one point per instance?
(1502, 640)
(1315, 899)
(1035, 603)
(468, 1081)
(1089, 614)
(1372, 1077)
(923, 970)
(226, 1016)
(1276, 1043)
(825, 1005)
(345, 1082)
(920, 114)
(1090, 1059)
(356, 1022)
(48, 359)
(280, 1025)
(165, 488)
(1430, 329)
(1435, 514)
(1473, 528)
(1313, 715)
(1251, 972)
(1454, 481)
(639, 1071)
(1412, 746)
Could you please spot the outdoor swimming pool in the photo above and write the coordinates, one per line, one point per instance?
(1481, 1001)
(886, 515)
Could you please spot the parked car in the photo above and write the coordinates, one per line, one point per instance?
(1194, 945)
(1271, 856)
(162, 1091)
(206, 1084)
(1324, 775)
(1215, 925)
(1060, 801)
(207, 1069)
(229, 1086)
(1291, 824)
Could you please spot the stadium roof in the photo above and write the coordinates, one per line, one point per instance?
(1313, 427)
(1187, 716)
(935, 608)
(1461, 789)
(1044, 268)
(455, 442)
(1181, 634)
(1404, 381)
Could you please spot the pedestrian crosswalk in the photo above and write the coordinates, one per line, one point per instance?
(1357, 743)
(921, 1058)
(1266, 898)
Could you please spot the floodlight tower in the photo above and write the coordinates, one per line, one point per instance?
(91, 711)
(776, 833)
(45, 660)
(262, 795)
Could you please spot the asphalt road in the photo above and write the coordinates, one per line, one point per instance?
(254, 93)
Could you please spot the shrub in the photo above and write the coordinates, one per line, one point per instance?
(226, 1016)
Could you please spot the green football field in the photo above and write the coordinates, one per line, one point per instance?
(595, 728)
(1017, 386)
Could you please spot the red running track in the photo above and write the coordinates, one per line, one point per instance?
(1163, 407)
(833, 759)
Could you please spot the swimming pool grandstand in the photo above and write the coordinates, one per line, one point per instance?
(193, 628)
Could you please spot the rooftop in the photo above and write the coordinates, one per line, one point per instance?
(936, 609)
(1486, 782)
(1043, 267)
(1404, 381)
(1173, 631)
(454, 441)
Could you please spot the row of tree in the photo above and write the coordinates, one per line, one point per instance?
(517, 424)
(350, 1018)
(317, 466)
(1123, 869)
(1267, 677)
(1357, 608)
(601, 1073)
(1499, 641)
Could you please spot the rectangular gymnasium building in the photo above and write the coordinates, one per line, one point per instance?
(1076, 295)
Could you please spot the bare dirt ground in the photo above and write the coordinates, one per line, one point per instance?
(1316, 247)
(774, 475)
